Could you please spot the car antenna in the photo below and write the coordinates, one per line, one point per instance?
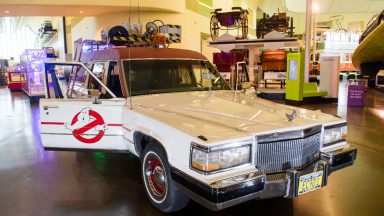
(129, 16)
(129, 61)
(129, 77)
(138, 12)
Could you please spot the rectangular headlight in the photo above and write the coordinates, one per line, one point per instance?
(208, 161)
(334, 133)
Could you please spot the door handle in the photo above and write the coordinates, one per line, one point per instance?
(47, 107)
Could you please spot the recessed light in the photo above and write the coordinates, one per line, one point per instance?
(81, 11)
(6, 11)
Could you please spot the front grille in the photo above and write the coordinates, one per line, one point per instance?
(278, 156)
(275, 177)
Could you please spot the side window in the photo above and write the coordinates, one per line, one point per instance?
(185, 77)
(77, 83)
(202, 75)
(98, 69)
(113, 80)
(83, 85)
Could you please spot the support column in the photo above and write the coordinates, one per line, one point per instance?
(308, 22)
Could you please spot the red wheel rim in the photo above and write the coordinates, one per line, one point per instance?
(155, 176)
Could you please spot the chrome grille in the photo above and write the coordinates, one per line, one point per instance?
(278, 156)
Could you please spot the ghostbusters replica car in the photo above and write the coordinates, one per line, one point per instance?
(196, 138)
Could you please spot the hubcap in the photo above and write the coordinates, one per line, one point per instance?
(155, 176)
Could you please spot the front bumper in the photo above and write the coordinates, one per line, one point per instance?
(262, 186)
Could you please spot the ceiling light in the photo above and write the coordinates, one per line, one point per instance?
(6, 11)
(205, 5)
(316, 7)
(81, 12)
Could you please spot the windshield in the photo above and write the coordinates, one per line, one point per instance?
(171, 75)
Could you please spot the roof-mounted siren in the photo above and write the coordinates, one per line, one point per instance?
(118, 36)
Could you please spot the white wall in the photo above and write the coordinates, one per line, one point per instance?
(193, 24)
(58, 42)
(298, 22)
(85, 29)
(348, 18)
(226, 5)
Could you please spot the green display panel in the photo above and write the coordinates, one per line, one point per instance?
(295, 77)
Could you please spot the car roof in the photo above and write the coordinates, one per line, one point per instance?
(143, 53)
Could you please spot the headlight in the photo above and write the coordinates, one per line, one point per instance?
(208, 160)
(334, 133)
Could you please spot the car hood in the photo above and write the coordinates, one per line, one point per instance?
(222, 115)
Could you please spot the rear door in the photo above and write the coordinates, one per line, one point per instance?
(83, 120)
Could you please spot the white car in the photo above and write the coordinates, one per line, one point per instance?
(196, 138)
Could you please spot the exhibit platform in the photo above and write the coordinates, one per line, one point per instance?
(369, 50)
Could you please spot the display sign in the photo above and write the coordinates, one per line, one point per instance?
(293, 70)
(275, 75)
(16, 77)
(356, 95)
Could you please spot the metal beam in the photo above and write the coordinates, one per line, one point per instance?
(308, 31)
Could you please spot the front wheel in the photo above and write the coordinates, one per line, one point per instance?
(158, 183)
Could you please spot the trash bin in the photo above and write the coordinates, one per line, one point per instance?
(356, 92)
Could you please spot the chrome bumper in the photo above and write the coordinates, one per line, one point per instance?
(262, 186)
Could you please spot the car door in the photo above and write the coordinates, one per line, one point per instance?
(83, 122)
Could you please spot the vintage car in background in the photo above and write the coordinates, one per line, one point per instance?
(237, 19)
(372, 24)
(195, 137)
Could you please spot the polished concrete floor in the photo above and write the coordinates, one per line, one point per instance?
(37, 182)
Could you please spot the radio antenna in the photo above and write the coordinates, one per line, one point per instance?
(130, 11)
(138, 10)
(129, 61)
(129, 77)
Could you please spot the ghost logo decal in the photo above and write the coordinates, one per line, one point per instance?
(87, 126)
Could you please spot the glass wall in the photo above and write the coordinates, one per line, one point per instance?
(14, 39)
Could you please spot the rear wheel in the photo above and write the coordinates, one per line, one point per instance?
(158, 183)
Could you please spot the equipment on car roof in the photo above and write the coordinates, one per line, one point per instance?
(151, 28)
(118, 36)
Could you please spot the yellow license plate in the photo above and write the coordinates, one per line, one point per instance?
(310, 182)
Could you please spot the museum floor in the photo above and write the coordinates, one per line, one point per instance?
(38, 182)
